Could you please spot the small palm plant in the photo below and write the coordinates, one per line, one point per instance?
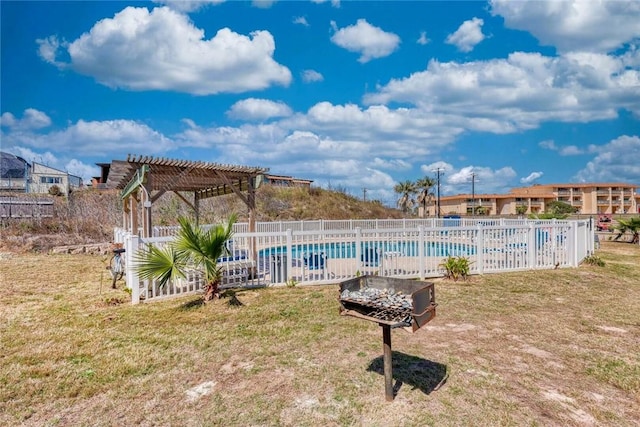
(456, 267)
(631, 225)
(193, 248)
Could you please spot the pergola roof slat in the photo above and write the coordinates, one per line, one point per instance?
(206, 178)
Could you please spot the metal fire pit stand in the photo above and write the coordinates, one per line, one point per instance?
(422, 309)
(388, 363)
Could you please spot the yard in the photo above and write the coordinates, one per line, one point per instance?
(552, 347)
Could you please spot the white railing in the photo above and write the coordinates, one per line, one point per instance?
(326, 252)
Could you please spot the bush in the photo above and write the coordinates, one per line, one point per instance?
(54, 190)
(594, 260)
(456, 267)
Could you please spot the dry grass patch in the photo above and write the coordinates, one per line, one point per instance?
(557, 347)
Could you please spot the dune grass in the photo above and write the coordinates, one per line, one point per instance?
(553, 347)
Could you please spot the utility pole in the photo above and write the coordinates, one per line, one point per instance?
(438, 181)
(364, 194)
(473, 194)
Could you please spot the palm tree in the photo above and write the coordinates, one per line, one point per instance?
(193, 248)
(424, 185)
(632, 225)
(406, 189)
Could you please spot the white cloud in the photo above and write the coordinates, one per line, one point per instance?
(31, 119)
(163, 50)
(334, 3)
(371, 42)
(301, 20)
(433, 167)
(188, 5)
(93, 138)
(468, 35)
(574, 25)
(84, 171)
(423, 38)
(571, 150)
(616, 161)
(48, 49)
(566, 150)
(459, 180)
(487, 180)
(549, 144)
(519, 92)
(310, 76)
(402, 130)
(531, 177)
(392, 164)
(258, 109)
(263, 4)
(44, 158)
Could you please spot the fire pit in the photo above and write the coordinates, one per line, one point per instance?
(392, 303)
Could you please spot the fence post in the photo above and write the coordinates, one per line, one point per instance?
(574, 239)
(131, 247)
(532, 246)
(480, 248)
(421, 245)
(289, 253)
(358, 249)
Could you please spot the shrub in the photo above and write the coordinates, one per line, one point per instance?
(456, 267)
(594, 260)
(54, 190)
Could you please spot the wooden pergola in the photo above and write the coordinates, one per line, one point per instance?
(144, 179)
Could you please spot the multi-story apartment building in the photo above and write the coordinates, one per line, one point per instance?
(589, 198)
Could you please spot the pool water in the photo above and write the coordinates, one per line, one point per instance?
(370, 250)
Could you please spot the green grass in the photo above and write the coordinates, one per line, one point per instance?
(553, 347)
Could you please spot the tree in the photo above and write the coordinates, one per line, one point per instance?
(406, 189)
(558, 207)
(424, 186)
(193, 248)
(521, 209)
(631, 225)
(54, 190)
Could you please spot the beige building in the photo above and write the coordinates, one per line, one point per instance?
(286, 181)
(590, 198)
(17, 175)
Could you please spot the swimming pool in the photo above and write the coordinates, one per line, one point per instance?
(370, 251)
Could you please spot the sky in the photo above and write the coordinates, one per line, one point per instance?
(356, 96)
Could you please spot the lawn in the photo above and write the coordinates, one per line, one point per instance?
(554, 347)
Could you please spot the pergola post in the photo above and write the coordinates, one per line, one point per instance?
(196, 207)
(126, 208)
(146, 205)
(251, 203)
(133, 213)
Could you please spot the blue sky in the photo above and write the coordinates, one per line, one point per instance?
(353, 95)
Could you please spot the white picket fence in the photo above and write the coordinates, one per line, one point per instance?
(327, 252)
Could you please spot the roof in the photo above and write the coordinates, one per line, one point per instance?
(209, 179)
(577, 185)
(12, 166)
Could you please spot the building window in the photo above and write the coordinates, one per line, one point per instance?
(50, 180)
